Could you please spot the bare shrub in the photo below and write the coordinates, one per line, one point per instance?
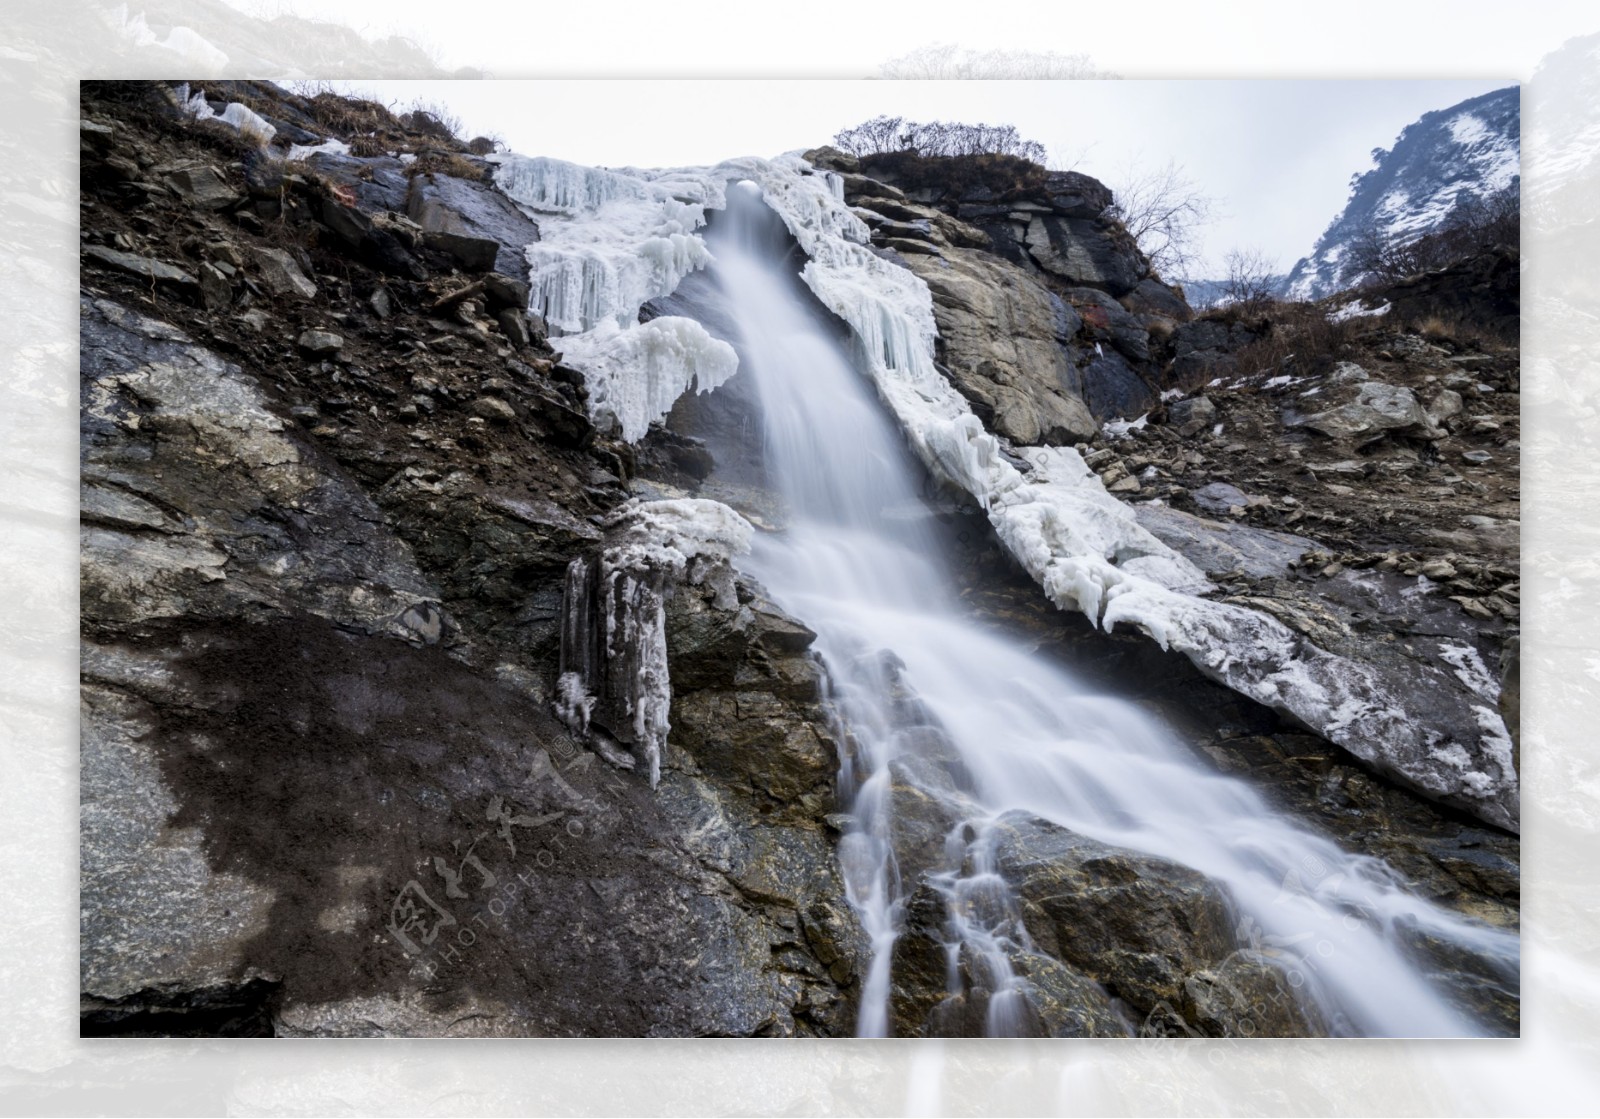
(1475, 224)
(1164, 210)
(937, 61)
(1297, 336)
(1251, 281)
(884, 135)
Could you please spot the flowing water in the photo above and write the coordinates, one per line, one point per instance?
(911, 676)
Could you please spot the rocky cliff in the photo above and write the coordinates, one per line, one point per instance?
(330, 494)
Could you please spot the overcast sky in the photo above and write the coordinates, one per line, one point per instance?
(1276, 156)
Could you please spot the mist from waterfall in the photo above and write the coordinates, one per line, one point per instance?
(919, 689)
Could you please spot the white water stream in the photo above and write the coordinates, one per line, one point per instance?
(859, 563)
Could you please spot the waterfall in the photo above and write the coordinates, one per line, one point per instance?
(990, 734)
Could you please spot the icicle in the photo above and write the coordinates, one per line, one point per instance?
(614, 666)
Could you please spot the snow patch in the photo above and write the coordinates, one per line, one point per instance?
(327, 147)
(1355, 309)
(236, 116)
(1121, 429)
(1470, 669)
(1467, 129)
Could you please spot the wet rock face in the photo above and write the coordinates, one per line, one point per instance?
(324, 790)
(320, 781)
(1156, 935)
(998, 339)
(1104, 942)
(1033, 373)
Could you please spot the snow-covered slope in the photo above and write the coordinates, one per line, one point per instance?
(1470, 149)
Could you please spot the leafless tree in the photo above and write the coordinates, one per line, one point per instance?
(1164, 210)
(1251, 279)
(949, 61)
(936, 138)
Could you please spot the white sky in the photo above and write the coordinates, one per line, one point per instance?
(1275, 155)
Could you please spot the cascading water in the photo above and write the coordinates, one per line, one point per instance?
(914, 680)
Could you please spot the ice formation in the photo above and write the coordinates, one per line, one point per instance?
(614, 623)
(615, 239)
(1081, 545)
(636, 375)
(611, 241)
(235, 115)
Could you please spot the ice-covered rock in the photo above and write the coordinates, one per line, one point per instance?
(634, 376)
(614, 639)
(1089, 553)
(1082, 545)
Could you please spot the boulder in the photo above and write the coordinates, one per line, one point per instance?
(319, 343)
(215, 290)
(1109, 385)
(202, 187)
(1378, 409)
(1446, 404)
(1106, 320)
(281, 275)
(999, 342)
(1152, 297)
(1191, 417)
(473, 222)
(147, 268)
(1220, 497)
(1151, 932)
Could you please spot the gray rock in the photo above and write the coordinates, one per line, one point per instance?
(381, 302)
(215, 290)
(1148, 927)
(1446, 404)
(1221, 546)
(1220, 497)
(1104, 319)
(1477, 458)
(1379, 409)
(144, 267)
(473, 222)
(514, 325)
(319, 343)
(95, 136)
(1082, 252)
(282, 275)
(998, 340)
(202, 187)
(1190, 417)
(1347, 373)
(1152, 297)
(506, 292)
(1111, 387)
(492, 408)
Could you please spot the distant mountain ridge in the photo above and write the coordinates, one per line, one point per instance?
(1471, 149)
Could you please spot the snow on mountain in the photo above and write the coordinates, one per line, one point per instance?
(1470, 149)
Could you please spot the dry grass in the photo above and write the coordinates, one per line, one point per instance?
(1006, 176)
(446, 163)
(1297, 336)
(1457, 333)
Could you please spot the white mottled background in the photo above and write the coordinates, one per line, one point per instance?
(44, 1069)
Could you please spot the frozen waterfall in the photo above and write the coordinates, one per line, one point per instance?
(916, 685)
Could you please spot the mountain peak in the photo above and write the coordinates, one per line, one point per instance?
(1469, 150)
